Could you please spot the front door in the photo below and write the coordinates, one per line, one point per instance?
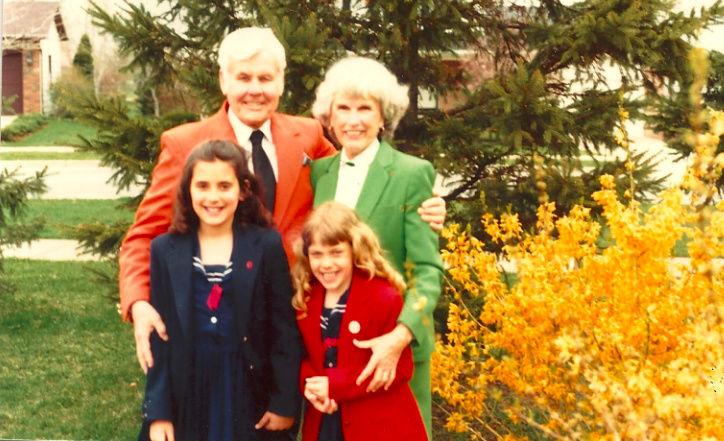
(13, 80)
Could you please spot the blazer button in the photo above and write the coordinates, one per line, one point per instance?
(251, 367)
(245, 339)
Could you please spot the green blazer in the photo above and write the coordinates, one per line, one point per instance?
(395, 186)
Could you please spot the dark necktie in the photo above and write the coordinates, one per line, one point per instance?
(263, 170)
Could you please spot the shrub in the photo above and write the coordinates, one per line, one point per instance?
(587, 343)
(83, 59)
(65, 92)
(23, 125)
(611, 344)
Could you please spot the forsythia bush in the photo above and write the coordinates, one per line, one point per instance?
(616, 344)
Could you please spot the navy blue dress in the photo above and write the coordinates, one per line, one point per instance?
(220, 393)
(331, 321)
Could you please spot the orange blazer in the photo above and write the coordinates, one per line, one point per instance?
(297, 141)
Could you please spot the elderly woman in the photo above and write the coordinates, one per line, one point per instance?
(359, 101)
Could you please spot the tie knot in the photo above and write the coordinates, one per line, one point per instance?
(256, 137)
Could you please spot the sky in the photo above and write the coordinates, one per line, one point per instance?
(712, 39)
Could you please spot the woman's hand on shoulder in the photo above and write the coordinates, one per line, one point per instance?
(386, 352)
(161, 430)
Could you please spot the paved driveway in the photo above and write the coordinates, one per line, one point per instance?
(72, 179)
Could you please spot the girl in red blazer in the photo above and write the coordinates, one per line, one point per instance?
(346, 291)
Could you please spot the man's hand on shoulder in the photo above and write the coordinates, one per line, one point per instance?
(145, 320)
(433, 211)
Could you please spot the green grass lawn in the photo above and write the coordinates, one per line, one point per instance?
(63, 132)
(61, 213)
(68, 366)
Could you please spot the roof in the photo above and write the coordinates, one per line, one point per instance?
(30, 20)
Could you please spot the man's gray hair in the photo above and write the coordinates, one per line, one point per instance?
(245, 43)
(364, 77)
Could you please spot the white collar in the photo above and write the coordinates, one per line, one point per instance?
(243, 132)
(365, 158)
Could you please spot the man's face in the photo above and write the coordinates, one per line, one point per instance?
(253, 88)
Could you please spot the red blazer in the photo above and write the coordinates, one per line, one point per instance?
(297, 141)
(372, 310)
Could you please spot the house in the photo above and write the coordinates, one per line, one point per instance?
(33, 53)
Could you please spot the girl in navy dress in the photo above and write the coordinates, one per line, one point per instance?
(220, 281)
(344, 291)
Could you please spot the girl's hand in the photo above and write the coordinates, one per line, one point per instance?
(161, 430)
(316, 390)
(272, 421)
(330, 406)
(317, 386)
(325, 405)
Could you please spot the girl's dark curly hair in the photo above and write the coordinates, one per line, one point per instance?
(250, 211)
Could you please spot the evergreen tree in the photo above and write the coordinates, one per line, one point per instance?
(83, 59)
(541, 118)
(672, 120)
(14, 228)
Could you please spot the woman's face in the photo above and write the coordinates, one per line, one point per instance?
(355, 121)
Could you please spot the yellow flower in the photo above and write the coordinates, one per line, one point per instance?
(606, 181)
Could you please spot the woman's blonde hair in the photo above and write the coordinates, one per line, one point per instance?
(332, 223)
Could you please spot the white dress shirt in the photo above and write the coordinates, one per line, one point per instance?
(352, 174)
(243, 133)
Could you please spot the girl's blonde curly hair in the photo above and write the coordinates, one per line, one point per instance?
(332, 223)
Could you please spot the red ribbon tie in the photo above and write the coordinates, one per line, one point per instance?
(214, 297)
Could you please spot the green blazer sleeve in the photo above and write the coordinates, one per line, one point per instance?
(423, 266)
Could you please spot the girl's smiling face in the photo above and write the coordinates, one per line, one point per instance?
(332, 265)
(215, 194)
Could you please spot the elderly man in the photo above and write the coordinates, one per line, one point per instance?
(251, 76)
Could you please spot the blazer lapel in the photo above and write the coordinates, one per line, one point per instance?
(375, 182)
(290, 159)
(311, 324)
(245, 258)
(327, 184)
(219, 123)
(180, 263)
(355, 306)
